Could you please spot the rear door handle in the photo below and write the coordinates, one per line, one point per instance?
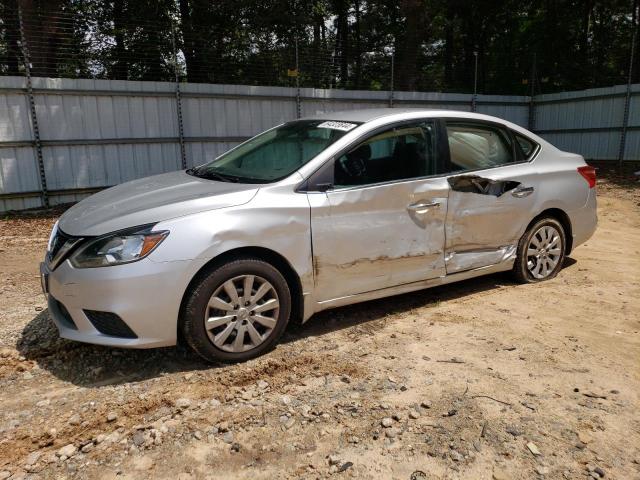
(422, 207)
(521, 192)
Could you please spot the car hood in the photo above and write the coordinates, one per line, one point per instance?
(150, 200)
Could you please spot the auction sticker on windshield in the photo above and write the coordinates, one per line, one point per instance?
(344, 126)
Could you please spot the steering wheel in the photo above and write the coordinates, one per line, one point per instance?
(354, 163)
(353, 167)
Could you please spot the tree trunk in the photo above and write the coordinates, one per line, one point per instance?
(13, 56)
(448, 48)
(342, 35)
(316, 63)
(188, 45)
(408, 44)
(42, 35)
(358, 52)
(121, 67)
(635, 73)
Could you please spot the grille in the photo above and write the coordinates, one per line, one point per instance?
(64, 317)
(61, 247)
(59, 240)
(109, 323)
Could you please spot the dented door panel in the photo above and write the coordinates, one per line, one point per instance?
(375, 237)
(487, 214)
(477, 258)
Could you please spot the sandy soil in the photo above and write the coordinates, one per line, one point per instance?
(482, 379)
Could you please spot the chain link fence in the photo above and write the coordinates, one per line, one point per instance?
(69, 39)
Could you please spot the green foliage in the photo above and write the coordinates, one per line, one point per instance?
(569, 44)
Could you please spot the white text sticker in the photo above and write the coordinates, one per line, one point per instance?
(344, 126)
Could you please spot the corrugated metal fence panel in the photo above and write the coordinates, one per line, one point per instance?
(18, 165)
(592, 108)
(225, 111)
(512, 108)
(324, 100)
(91, 109)
(632, 146)
(18, 170)
(22, 203)
(97, 111)
(97, 133)
(632, 150)
(591, 145)
(14, 110)
(86, 166)
(589, 122)
(234, 110)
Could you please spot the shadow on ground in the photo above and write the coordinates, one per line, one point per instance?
(94, 366)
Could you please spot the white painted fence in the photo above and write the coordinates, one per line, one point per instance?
(97, 133)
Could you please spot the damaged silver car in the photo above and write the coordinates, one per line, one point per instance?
(313, 214)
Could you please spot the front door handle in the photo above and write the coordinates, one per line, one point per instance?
(422, 207)
(521, 192)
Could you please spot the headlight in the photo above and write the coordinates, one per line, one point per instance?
(118, 248)
(52, 236)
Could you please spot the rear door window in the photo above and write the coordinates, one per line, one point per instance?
(476, 146)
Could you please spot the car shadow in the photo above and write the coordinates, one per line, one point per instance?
(352, 315)
(94, 366)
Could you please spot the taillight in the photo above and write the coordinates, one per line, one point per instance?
(589, 174)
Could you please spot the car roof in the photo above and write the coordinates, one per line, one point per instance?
(368, 114)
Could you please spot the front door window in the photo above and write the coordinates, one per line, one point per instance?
(403, 152)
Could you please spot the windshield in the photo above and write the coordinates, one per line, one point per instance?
(275, 154)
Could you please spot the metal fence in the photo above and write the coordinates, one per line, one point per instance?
(600, 123)
(62, 139)
(96, 133)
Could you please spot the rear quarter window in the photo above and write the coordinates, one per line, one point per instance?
(527, 146)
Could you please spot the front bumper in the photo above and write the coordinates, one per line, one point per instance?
(145, 295)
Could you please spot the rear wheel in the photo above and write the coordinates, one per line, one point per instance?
(237, 311)
(541, 251)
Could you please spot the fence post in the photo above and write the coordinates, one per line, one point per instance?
(532, 105)
(44, 192)
(298, 100)
(627, 101)
(392, 75)
(183, 153)
(474, 99)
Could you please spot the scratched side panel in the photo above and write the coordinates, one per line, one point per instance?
(276, 219)
(366, 238)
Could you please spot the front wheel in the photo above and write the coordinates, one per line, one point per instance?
(541, 252)
(236, 311)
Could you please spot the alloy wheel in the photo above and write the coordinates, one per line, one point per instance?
(544, 252)
(241, 313)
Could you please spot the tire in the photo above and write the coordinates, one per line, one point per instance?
(550, 263)
(259, 322)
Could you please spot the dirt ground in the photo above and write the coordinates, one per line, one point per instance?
(483, 379)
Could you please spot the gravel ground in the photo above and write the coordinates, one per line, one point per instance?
(481, 379)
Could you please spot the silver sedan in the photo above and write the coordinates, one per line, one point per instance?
(313, 214)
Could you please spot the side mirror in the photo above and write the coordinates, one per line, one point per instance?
(323, 187)
(321, 180)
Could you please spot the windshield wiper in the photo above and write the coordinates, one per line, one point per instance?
(223, 177)
(209, 175)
